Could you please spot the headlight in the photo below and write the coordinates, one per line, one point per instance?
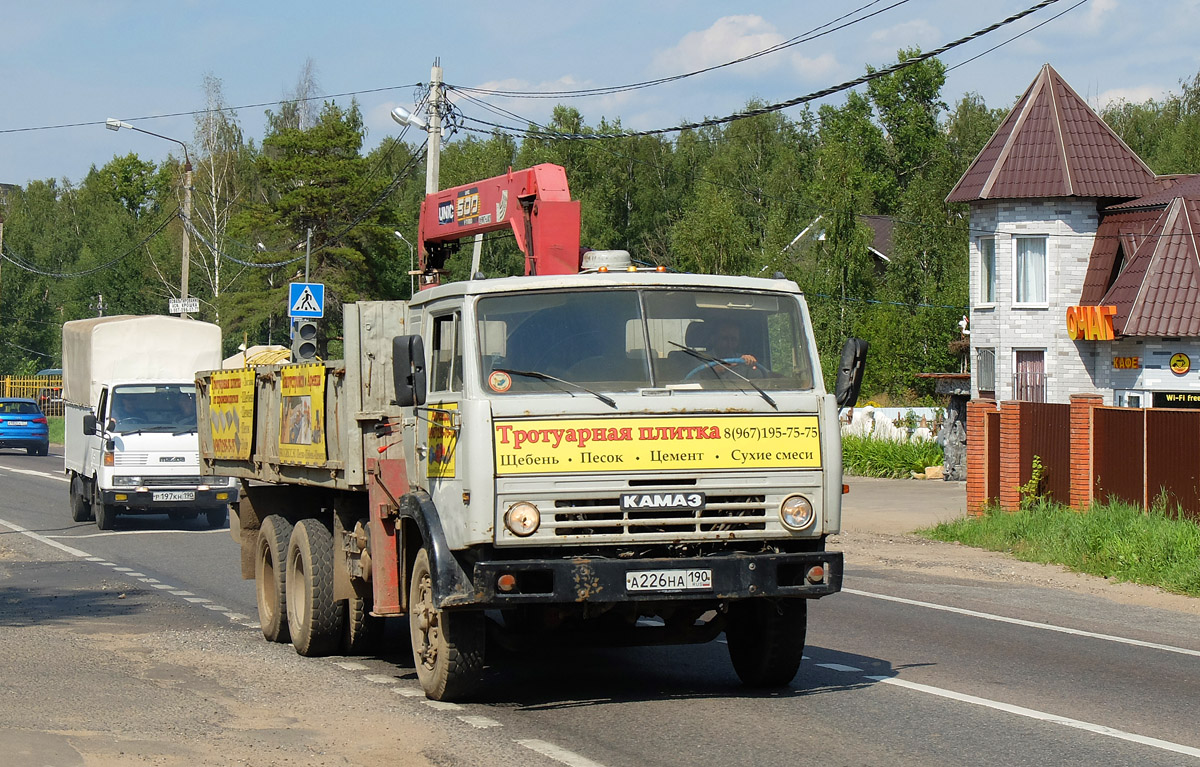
(796, 512)
(126, 481)
(522, 519)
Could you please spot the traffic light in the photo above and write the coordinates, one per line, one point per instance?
(304, 340)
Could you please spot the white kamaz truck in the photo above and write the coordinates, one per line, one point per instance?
(602, 454)
(129, 387)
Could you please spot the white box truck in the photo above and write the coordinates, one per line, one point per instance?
(129, 387)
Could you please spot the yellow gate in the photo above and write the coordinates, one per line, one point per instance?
(45, 390)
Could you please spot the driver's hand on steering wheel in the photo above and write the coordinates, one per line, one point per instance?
(750, 359)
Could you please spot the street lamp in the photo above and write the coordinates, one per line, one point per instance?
(412, 285)
(434, 128)
(114, 124)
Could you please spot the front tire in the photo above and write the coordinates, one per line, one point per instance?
(105, 513)
(314, 618)
(217, 517)
(270, 577)
(766, 640)
(447, 646)
(81, 510)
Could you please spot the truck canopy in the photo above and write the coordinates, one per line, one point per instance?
(134, 348)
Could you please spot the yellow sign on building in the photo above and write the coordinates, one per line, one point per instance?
(684, 443)
(302, 414)
(231, 413)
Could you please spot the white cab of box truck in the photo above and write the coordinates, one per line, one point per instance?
(130, 443)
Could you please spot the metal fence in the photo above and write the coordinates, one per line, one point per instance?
(46, 390)
(1046, 434)
(1142, 455)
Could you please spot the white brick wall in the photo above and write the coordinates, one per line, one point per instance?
(1069, 225)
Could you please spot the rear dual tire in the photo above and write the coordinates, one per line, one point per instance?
(314, 618)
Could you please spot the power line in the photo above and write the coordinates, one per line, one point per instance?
(1015, 37)
(805, 37)
(28, 267)
(195, 112)
(757, 111)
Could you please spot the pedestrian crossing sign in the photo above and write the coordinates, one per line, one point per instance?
(306, 299)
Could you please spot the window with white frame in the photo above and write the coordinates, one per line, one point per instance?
(1030, 270)
(987, 270)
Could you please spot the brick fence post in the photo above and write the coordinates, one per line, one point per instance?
(1010, 455)
(1082, 417)
(979, 457)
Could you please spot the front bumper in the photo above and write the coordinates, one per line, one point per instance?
(145, 501)
(602, 580)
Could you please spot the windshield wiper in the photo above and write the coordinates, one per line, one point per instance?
(716, 361)
(547, 377)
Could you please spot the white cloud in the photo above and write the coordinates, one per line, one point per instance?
(816, 69)
(1097, 12)
(917, 32)
(729, 38)
(1136, 95)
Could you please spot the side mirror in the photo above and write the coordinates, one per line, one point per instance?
(408, 370)
(850, 372)
(89, 424)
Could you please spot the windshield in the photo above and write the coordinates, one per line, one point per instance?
(154, 407)
(627, 339)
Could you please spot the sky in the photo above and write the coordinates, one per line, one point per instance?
(77, 62)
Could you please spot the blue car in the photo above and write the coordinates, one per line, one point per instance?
(22, 424)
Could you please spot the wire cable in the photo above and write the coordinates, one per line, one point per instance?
(805, 37)
(779, 106)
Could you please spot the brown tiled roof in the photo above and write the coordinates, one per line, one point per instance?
(1053, 145)
(1186, 185)
(1120, 232)
(881, 227)
(1158, 293)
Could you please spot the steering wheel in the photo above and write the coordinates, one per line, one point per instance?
(129, 420)
(757, 370)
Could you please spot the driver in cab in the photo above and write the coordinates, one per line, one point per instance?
(727, 344)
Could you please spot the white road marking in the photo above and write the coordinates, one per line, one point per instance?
(1027, 624)
(43, 539)
(380, 678)
(187, 595)
(409, 692)
(350, 665)
(34, 473)
(558, 753)
(142, 532)
(838, 667)
(1097, 729)
(480, 722)
(442, 705)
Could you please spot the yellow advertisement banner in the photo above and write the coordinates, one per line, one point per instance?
(302, 414)
(231, 413)
(443, 440)
(684, 443)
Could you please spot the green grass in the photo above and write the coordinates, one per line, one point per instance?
(1114, 540)
(56, 429)
(870, 457)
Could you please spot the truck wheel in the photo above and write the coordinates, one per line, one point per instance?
(270, 577)
(766, 640)
(447, 646)
(81, 510)
(217, 517)
(361, 628)
(314, 618)
(105, 513)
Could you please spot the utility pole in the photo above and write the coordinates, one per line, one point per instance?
(187, 222)
(433, 149)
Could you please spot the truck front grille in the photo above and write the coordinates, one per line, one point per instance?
(604, 516)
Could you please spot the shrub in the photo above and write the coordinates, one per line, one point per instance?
(869, 457)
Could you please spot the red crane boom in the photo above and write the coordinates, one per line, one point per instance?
(535, 203)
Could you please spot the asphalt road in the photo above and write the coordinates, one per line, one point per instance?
(904, 668)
